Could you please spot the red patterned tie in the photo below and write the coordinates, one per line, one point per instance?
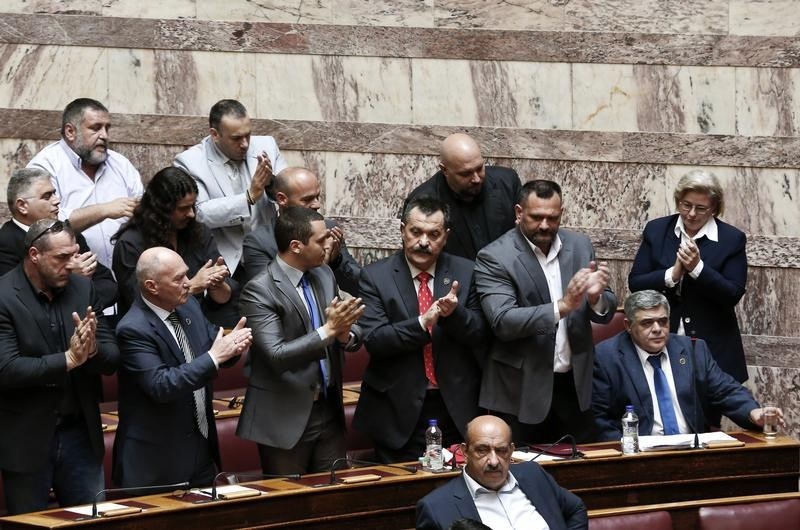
(424, 300)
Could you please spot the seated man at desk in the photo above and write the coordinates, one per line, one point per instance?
(658, 372)
(499, 495)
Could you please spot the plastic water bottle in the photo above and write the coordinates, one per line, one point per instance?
(433, 446)
(630, 432)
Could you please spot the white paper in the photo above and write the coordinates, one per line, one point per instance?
(680, 441)
(228, 489)
(102, 507)
(522, 456)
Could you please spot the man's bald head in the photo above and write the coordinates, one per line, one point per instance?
(488, 450)
(488, 424)
(161, 275)
(297, 186)
(463, 165)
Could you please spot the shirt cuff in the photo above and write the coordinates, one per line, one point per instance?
(323, 335)
(668, 278)
(601, 307)
(213, 360)
(694, 273)
(419, 319)
(556, 313)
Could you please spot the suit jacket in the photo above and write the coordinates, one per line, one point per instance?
(394, 383)
(559, 507)
(284, 357)
(156, 400)
(33, 370)
(259, 248)
(707, 303)
(619, 380)
(225, 212)
(12, 251)
(498, 197)
(518, 377)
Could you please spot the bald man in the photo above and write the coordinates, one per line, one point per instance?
(500, 495)
(481, 198)
(298, 186)
(169, 356)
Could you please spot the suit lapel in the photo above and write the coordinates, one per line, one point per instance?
(405, 284)
(159, 327)
(531, 265)
(462, 499)
(681, 368)
(565, 265)
(218, 169)
(28, 299)
(290, 292)
(633, 366)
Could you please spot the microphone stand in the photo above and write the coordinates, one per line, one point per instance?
(411, 469)
(176, 486)
(693, 338)
(575, 453)
(215, 497)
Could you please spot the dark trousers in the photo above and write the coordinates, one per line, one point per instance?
(322, 442)
(432, 408)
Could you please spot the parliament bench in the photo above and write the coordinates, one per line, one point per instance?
(658, 520)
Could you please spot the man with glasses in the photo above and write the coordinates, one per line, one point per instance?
(53, 348)
(481, 198)
(31, 197)
(670, 380)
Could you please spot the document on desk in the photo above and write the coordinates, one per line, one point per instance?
(233, 491)
(682, 441)
(104, 508)
(524, 456)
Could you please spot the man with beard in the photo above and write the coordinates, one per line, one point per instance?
(98, 186)
(540, 289)
(480, 197)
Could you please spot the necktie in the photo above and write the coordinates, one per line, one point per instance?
(188, 355)
(424, 301)
(316, 321)
(668, 418)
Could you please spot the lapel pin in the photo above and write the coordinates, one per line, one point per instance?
(446, 281)
(188, 321)
(683, 360)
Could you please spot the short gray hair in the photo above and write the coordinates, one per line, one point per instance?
(644, 300)
(20, 182)
(701, 181)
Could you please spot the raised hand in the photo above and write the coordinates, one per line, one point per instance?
(235, 343)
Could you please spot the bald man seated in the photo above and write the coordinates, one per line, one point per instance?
(500, 495)
(481, 198)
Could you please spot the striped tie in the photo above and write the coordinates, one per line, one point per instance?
(200, 393)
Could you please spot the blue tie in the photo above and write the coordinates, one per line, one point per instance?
(668, 418)
(316, 321)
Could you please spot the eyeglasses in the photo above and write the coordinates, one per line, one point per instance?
(687, 207)
(54, 228)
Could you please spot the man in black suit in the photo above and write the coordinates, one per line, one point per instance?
(169, 356)
(51, 359)
(424, 356)
(530, 496)
(481, 198)
(297, 186)
(31, 196)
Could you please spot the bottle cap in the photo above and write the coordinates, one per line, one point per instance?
(433, 421)
(628, 408)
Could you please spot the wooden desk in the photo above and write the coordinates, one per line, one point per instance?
(757, 468)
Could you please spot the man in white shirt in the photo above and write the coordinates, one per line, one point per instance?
(233, 171)
(98, 187)
(501, 496)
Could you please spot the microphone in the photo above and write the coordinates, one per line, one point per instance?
(693, 338)
(253, 474)
(410, 469)
(134, 489)
(575, 453)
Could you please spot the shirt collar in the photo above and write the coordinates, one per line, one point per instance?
(22, 225)
(219, 155)
(710, 230)
(294, 275)
(555, 248)
(643, 355)
(476, 489)
(415, 271)
(160, 312)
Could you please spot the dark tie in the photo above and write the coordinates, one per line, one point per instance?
(188, 355)
(668, 418)
(424, 301)
(316, 321)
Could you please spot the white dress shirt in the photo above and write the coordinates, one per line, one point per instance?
(649, 374)
(163, 314)
(506, 509)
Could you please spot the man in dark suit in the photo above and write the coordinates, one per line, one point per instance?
(424, 361)
(531, 498)
(297, 186)
(540, 289)
(629, 365)
(169, 356)
(293, 406)
(31, 196)
(481, 198)
(50, 364)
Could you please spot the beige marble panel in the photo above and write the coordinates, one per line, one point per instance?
(442, 93)
(604, 97)
(219, 76)
(407, 13)
(289, 11)
(15, 154)
(67, 7)
(768, 101)
(780, 386)
(648, 16)
(131, 74)
(764, 17)
(49, 77)
(151, 9)
(279, 75)
(498, 14)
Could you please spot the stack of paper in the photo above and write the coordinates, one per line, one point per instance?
(680, 441)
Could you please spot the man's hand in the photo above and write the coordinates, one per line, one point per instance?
(757, 417)
(121, 207)
(336, 235)
(235, 343)
(84, 264)
(688, 255)
(82, 343)
(340, 315)
(261, 178)
(597, 281)
(209, 276)
(573, 298)
(448, 303)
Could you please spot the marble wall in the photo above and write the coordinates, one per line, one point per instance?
(616, 99)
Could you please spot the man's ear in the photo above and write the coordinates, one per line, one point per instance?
(214, 134)
(627, 323)
(33, 255)
(281, 199)
(21, 206)
(70, 132)
(295, 246)
(151, 286)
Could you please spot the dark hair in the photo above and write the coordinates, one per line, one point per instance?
(225, 107)
(427, 205)
(40, 232)
(468, 524)
(73, 112)
(544, 189)
(294, 223)
(151, 215)
(20, 182)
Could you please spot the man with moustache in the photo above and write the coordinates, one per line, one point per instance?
(500, 495)
(233, 171)
(293, 406)
(425, 332)
(298, 186)
(540, 289)
(31, 197)
(671, 381)
(98, 187)
(480, 197)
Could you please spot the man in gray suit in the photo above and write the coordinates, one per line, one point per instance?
(293, 406)
(540, 289)
(233, 170)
